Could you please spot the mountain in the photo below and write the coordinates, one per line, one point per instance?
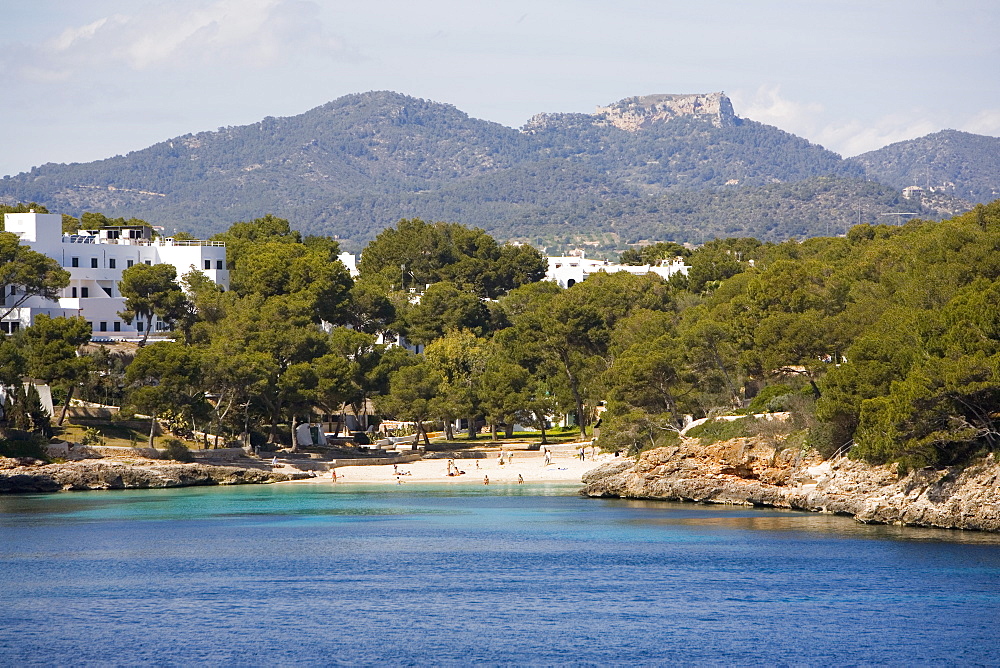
(957, 163)
(645, 167)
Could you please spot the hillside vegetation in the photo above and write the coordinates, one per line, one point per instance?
(355, 166)
(957, 163)
(884, 343)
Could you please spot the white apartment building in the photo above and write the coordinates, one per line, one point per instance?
(95, 260)
(569, 270)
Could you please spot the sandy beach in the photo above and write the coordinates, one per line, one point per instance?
(565, 466)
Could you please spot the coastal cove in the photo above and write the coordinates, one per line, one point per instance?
(443, 574)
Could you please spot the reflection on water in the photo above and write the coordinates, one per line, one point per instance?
(776, 520)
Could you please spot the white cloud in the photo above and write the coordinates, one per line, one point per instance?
(766, 105)
(854, 137)
(986, 122)
(172, 35)
(71, 36)
(851, 136)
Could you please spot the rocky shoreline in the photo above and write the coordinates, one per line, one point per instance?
(18, 476)
(752, 472)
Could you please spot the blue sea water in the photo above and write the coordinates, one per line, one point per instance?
(320, 574)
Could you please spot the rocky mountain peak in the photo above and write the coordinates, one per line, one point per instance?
(635, 113)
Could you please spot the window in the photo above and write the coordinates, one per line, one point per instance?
(84, 292)
(118, 326)
(131, 262)
(74, 262)
(73, 293)
(149, 262)
(208, 264)
(93, 263)
(13, 290)
(138, 326)
(104, 327)
(111, 263)
(218, 264)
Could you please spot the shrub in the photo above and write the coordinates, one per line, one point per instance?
(771, 399)
(91, 436)
(723, 430)
(22, 444)
(176, 451)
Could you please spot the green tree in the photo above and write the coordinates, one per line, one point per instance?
(13, 367)
(444, 306)
(416, 253)
(298, 386)
(504, 390)
(20, 208)
(371, 309)
(413, 393)
(271, 334)
(335, 382)
(243, 236)
(571, 329)
(51, 346)
(719, 259)
(25, 273)
(653, 253)
(461, 357)
(70, 225)
(944, 410)
(152, 290)
(167, 376)
(272, 268)
(369, 367)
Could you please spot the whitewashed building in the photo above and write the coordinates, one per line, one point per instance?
(350, 261)
(569, 270)
(95, 260)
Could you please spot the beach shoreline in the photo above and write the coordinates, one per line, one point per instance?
(520, 466)
(479, 466)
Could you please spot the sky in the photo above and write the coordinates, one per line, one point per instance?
(90, 79)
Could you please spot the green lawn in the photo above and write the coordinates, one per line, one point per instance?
(121, 434)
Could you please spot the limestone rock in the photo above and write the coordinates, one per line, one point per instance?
(106, 474)
(636, 113)
(751, 472)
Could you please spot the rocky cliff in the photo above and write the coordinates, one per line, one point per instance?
(635, 113)
(751, 472)
(642, 111)
(20, 477)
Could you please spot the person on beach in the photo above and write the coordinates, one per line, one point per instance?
(486, 480)
(520, 480)
(548, 458)
(333, 474)
(274, 461)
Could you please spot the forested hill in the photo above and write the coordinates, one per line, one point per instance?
(959, 163)
(679, 167)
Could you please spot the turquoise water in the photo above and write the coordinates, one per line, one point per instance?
(328, 575)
